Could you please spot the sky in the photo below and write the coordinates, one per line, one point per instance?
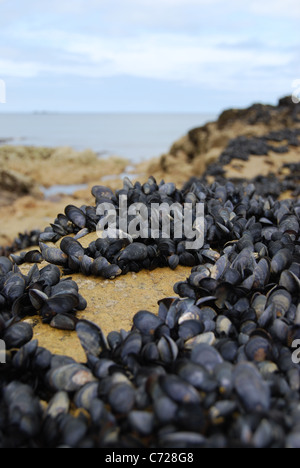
(146, 55)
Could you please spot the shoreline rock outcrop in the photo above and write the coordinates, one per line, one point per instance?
(202, 147)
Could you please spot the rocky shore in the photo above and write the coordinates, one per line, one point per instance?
(144, 342)
(267, 133)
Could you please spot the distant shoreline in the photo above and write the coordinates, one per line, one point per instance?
(137, 137)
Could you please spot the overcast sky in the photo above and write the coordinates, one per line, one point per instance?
(147, 55)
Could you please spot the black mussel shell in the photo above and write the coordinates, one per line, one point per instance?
(71, 247)
(135, 252)
(18, 335)
(64, 321)
(53, 255)
(76, 215)
(70, 377)
(146, 322)
(251, 388)
(91, 337)
(5, 265)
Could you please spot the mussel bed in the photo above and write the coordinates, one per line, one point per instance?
(217, 366)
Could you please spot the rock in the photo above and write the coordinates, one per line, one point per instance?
(19, 184)
(202, 147)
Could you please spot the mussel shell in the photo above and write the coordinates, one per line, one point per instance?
(5, 265)
(150, 352)
(281, 261)
(84, 397)
(141, 421)
(164, 306)
(289, 281)
(76, 215)
(165, 409)
(196, 375)
(111, 272)
(17, 335)
(48, 236)
(132, 344)
(14, 287)
(190, 328)
(168, 189)
(86, 265)
(82, 303)
(72, 247)
(65, 286)
(24, 409)
(146, 322)
(206, 356)
(91, 337)
(58, 229)
(98, 265)
(69, 377)
(122, 398)
(280, 300)
(34, 256)
(22, 307)
(224, 326)
(100, 192)
(178, 389)
(114, 339)
(37, 298)
(135, 252)
(173, 261)
(258, 349)
(59, 404)
(53, 255)
(22, 359)
(64, 321)
(253, 392)
(187, 259)
(60, 303)
(17, 259)
(50, 275)
(222, 409)
(168, 349)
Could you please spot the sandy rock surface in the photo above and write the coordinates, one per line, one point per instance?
(111, 303)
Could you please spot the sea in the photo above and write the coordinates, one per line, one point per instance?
(136, 137)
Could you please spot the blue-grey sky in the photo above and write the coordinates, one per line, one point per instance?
(147, 55)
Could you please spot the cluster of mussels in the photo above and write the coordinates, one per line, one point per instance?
(41, 291)
(242, 148)
(22, 242)
(216, 367)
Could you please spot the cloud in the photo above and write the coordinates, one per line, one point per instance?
(213, 45)
(157, 56)
(276, 8)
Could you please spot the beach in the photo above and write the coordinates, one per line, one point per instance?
(29, 172)
(174, 347)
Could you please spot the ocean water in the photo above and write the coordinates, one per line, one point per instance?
(137, 137)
